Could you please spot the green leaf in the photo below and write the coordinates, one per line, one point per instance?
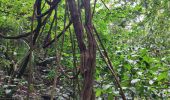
(128, 66)
(110, 96)
(163, 75)
(105, 87)
(98, 92)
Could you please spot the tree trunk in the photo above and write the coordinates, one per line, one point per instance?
(88, 93)
(88, 54)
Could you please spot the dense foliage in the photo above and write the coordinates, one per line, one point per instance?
(135, 33)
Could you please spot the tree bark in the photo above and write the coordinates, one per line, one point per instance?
(88, 93)
(88, 54)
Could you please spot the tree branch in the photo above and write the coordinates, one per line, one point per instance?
(58, 36)
(54, 4)
(15, 37)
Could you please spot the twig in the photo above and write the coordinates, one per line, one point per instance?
(105, 56)
(58, 36)
(105, 5)
(95, 1)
